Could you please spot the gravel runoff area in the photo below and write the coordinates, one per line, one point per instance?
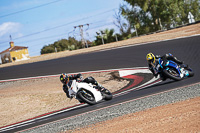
(92, 118)
(171, 34)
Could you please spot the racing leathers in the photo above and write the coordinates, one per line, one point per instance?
(154, 67)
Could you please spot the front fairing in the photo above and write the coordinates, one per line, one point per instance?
(168, 64)
(89, 87)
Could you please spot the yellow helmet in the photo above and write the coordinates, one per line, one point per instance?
(151, 58)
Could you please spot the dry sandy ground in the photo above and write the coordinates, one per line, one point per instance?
(21, 100)
(181, 117)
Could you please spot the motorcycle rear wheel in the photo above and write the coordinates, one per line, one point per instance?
(107, 94)
(191, 74)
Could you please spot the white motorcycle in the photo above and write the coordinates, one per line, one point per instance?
(87, 93)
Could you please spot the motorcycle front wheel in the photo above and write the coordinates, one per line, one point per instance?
(172, 73)
(86, 96)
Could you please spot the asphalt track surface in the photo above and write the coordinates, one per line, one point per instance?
(186, 49)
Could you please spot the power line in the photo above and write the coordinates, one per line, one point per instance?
(101, 25)
(44, 43)
(109, 23)
(53, 36)
(60, 25)
(29, 9)
(38, 39)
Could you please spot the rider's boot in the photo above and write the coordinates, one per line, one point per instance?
(184, 66)
(178, 61)
(162, 77)
(99, 87)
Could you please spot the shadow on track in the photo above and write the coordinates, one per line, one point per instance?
(163, 83)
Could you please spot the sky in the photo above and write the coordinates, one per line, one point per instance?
(36, 23)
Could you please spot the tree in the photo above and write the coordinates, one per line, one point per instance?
(61, 45)
(47, 49)
(153, 15)
(124, 26)
(108, 37)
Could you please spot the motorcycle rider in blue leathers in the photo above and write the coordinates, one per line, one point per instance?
(154, 66)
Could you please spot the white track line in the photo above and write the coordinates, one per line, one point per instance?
(56, 75)
(110, 106)
(131, 45)
(121, 70)
(124, 92)
(32, 120)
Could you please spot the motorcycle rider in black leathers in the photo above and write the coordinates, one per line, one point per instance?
(67, 81)
(154, 64)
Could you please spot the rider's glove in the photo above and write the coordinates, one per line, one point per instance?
(155, 72)
(155, 75)
(79, 75)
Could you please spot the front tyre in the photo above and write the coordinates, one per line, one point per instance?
(172, 73)
(86, 96)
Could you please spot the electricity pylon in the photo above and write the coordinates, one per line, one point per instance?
(83, 41)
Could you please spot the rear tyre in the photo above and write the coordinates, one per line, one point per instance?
(186, 67)
(191, 74)
(107, 94)
(86, 96)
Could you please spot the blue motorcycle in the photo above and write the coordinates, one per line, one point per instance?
(174, 71)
